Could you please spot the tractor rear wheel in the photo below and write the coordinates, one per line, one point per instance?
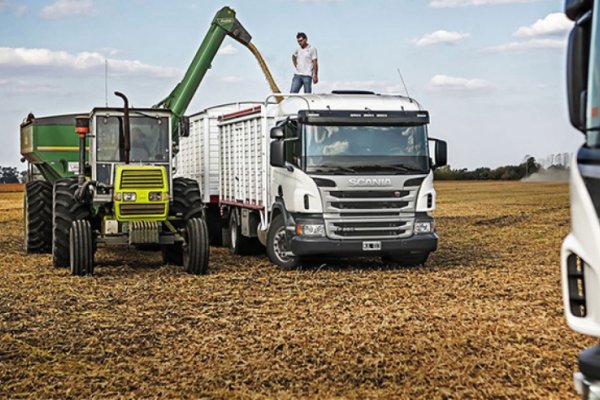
(195, 248)
(37, 217)
(81, 248)
(187, 202)
(65, 210)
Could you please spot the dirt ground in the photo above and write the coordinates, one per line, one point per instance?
(483, 319)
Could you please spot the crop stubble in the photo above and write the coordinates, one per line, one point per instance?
(483, 319)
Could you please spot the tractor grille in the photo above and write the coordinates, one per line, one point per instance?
(142, 179)
(369, 213)
(142, 209)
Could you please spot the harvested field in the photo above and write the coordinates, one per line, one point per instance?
(483, 319)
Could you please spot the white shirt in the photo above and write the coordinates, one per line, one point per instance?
(304, 59)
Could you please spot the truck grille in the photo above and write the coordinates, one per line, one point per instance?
(369, 213)
(142, 209)
(142, 179)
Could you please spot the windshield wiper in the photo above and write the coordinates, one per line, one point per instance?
(397, 167)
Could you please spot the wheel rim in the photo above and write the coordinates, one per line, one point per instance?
(280, 247)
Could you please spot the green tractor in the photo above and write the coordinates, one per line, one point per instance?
(106, 178)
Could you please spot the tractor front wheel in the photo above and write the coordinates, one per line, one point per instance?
(81, 248)
(195, 247)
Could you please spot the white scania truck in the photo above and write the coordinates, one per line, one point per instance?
(580, 258)
(345, 174)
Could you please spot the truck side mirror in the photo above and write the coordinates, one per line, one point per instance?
(184, 127)
(277, 132)
(277, 153)
(577, 71)
(441, 153)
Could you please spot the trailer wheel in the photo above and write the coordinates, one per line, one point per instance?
(195, 248)
(278, 248)
(65, 210)
(238, 243)
(37, 217)
(187, 202)
(81, 248)
(172, 254)
(406, 260)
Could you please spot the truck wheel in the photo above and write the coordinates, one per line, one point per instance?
(172, 254)
(278, 248)
(65, 210)
(195, 248)
(37, 217)
(187, 202)
(406, 260)
(81, 248)
(238, 243)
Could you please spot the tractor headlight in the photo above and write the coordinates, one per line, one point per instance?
(155, 196)
(423, 227)
(310, 230)
(129, 196)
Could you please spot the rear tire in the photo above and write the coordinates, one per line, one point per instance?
(278, 246)
(187, 202)
(37, 217)
(81, 248)
(238, 243)
(195, 248)
(65, 210)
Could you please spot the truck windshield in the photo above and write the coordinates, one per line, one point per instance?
(593, 116)
(375, 149)
(149, 139)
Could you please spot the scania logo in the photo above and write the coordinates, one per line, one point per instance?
(370, 182)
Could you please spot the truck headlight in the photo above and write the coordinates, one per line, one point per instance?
(310, 230)
(129, 196)
(423, 227)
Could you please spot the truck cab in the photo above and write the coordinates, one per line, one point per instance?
(352, 175)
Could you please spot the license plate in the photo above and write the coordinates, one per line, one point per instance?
(371, 246)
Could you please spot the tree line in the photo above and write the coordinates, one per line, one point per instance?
(508, 172)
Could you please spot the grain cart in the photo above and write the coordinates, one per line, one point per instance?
(580, 256)
(346, 174)
(124, 192)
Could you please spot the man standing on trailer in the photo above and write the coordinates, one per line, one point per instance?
(305, 63)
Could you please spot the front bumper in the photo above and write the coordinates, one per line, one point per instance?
(303, 246)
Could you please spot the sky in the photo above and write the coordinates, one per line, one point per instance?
(490, 72)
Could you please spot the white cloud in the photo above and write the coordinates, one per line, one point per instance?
(68, 8)
(84, 61)
(473, 3)
(17, 87)
(228, 50)
(440, 37)
(109, 51)
(532, 44)
(444, 82)
(552, 24)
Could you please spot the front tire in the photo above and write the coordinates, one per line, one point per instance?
(195, 248)
(278, 249)
(37, 217)
(81, 248)
(65, 210)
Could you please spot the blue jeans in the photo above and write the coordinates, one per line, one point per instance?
(301, 80)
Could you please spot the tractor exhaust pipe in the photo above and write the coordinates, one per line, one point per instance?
(126, 134)
(82, 128)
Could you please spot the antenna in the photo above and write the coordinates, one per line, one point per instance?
(106, 82)
(403, 83)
